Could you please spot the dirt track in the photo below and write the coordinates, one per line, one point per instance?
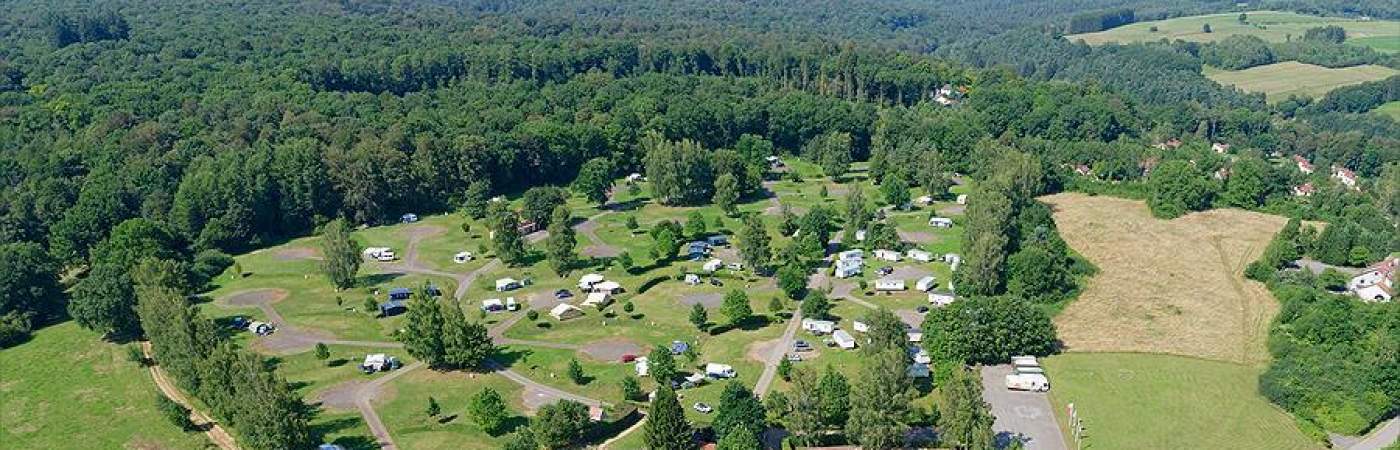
(212, 429)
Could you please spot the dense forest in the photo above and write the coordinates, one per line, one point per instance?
(184, 131)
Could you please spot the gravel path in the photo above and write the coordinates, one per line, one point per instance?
(1020, 415)
(212, 429)
(775, 355)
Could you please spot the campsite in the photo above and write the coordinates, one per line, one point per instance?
(699, 225)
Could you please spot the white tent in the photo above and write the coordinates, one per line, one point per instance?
(462, 257)
(587, 281)
(843, 339)
(610, 287)
(565, 311)
(962, 199)
(713, 265)
(598, 299)
(692, 279)
(860, 326)
(643, 366)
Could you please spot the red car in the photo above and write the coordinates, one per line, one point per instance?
(629, 358)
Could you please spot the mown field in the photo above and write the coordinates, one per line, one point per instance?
(1391, 109)
(1144, 401)
(1279, 80)
(66, 388)
(1274, 26)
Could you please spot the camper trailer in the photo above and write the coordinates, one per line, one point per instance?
(926, 284)
(719, 371)
(381, 254)
(1028, 382)
(940, 222)
(818, 326)
(919, 255)
(462, 257)
(889, 285)
(843, 339)
(888, 255)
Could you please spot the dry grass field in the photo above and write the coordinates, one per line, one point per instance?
(1273, 26)
(1174, 287)
(1279, 80)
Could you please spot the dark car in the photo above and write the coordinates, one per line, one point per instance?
(563, 294)
(801, 346)
(885, 271)
(922, 309)
(716, 282)
(238, 323)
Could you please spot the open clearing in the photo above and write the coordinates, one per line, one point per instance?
(1391, 109)
(1141, 401)
(66, 386)
(1279, 80)
(1273, 26)
(1164, 286)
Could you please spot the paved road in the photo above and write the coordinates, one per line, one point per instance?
(1385, 434)
(776, 354)
(213, 430)
(367, 393)
(1024, 415)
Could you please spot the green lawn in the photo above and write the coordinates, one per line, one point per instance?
(1274, 26)
(403, 408)
(1279, 80)
(1391, 109)
(1145, 401)
(68, 389)
(1383, 44)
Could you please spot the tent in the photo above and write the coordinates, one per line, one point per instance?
(392, 308)
(610, 287)
(586, 282)
(598, 299)
(565, 311)
(400, 293)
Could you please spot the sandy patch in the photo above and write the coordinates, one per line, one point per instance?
(917, 237)
(340, 396)
(706, 299)
(423, 231)
(612, 349)
(256, 297)
(297, 253)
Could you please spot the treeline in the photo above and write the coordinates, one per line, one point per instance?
(1357, 98)
(240, 388)
(1318, 48)
(1334, 364)
(1100, 20)
(65, 30)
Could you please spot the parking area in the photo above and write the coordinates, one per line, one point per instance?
(1020, 415)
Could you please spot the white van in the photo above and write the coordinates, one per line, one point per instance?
(1028, 382)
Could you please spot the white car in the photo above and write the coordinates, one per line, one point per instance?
(703, 408)
(462, 257)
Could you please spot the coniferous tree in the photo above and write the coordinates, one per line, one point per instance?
(739, 412)
(487, 410)
(666, 427)
(559, 247)
(835, 393)
(880, 400)
(422, 334)
(736, 307)
(466, 344)
(753, 241)
(966, 419)
(699, 316)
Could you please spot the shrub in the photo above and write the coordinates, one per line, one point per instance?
(532, 315)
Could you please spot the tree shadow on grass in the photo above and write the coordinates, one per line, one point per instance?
(378, 278)
(337, 362)
(509, 357)
(322, 429)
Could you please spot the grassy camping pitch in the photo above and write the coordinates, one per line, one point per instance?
(1274, 26)
(67, 388)
(1279, 80)
(1142, 401)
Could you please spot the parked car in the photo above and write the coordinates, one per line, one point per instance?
(629, 358)
(794, 357)
(801, 346)
(562, 294)
(716, 282)
(238, 322)
(885, 271)
(703, 408)
(922, 309)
